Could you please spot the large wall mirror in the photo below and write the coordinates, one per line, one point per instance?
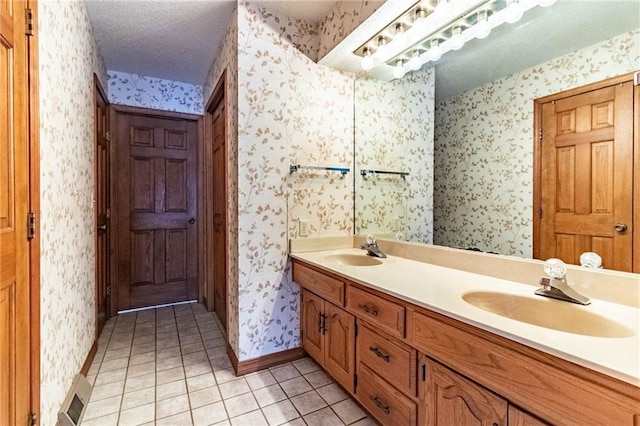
(444, 155)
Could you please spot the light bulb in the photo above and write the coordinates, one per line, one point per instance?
(400, 38)
(482, 28)
(367, 60)
(415, 63)
(546, 3)
(383, 49)
(513, 12)
(435, 51)
(420, 21)
(456, 38)
(398, 70)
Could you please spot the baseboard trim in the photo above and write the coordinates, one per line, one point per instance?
(260, 363)
(90, 357)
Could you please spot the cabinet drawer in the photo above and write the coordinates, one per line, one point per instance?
(393, 361)
(384, 402)
(323, 285)
(376, 310)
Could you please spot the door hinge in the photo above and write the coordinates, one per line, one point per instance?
(33, 419)
(29, 22)
(107, 214)
(108, 289)
(540, 133)
(31, 225)
(107, 136)
(355, 380)
(540, 213)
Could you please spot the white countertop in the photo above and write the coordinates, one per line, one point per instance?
(441, 289)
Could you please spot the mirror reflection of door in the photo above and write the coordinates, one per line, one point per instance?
(586, 167)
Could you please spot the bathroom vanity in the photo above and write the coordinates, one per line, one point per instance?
(420, 343)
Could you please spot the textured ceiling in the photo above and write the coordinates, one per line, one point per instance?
(175, 39)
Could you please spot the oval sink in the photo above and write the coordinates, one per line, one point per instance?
(548, 313)
(354, 259)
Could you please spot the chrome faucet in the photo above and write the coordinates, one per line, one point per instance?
(372, 248)
(556, 286)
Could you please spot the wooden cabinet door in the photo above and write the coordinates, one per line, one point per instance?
(450, 399)
(219, 215)
(587, 176)
(311, 325)
(339, 358)
(517, 417)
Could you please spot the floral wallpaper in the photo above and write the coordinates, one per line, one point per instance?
(227, 59)
(289, 110)
(394, 132)
(483, 149)
(155, 93)
(68, 57)
(345, 17)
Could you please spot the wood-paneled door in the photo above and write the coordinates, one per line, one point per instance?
(156, 204)
(103, 206)
(586, 174)
(215, 203)
(19, 303)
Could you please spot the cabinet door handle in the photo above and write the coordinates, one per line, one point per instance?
(320, 322)
(324, 323)
(381, 405)
(368, 309)
(379, 353)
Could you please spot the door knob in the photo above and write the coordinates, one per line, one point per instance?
(102, 227)
(620, 227)
(192, 221)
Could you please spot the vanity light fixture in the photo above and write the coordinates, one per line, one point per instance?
(435, 27)
(482, 28)
(398, 70)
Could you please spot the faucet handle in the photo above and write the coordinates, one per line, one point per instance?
(371, 239)
(555, 268)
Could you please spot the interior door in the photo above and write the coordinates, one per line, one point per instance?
(219, 215)
(587, 175)
(156, 208)
(103, 206)
(14, 246)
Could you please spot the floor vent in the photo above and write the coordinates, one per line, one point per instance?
(75, 403)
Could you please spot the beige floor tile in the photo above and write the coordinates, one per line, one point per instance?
(211, 342)
(144, 348)
(225, 375)
(170, 375)
(234, 388)
(188, 337)
(107, 391)
(204, 396)
(137, 416)
(167, 339)
(174, 405)
(142, 358)
(111, 376)
(223, 423)
(141, 369)
(220, 363)
(240, 404)
(318, 379)
(180, 419)
(192, 347)
(280, 413)
(195, 357)
(269, 395)
(169, 363)
(259, 380)
(295, 386)
(295, 422)
(145, 339)
(217, 352)
(140, 382)
(308, 402)
(197, 369)
(102, 407)
(169, 390)
(332, 393)
(200, 382)
(365, 422)
(324, 417)
(348, 411)
(113, 364)
(138, 398)
(167, 352)
(116, 353)
(284, 372)
(209, 414)
(108, 420)
(253, 418)
(306, 365)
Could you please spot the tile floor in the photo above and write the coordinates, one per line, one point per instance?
(168, 366)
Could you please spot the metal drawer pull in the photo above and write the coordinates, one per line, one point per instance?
(379, 353)
(381, 405)
(368, 309)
